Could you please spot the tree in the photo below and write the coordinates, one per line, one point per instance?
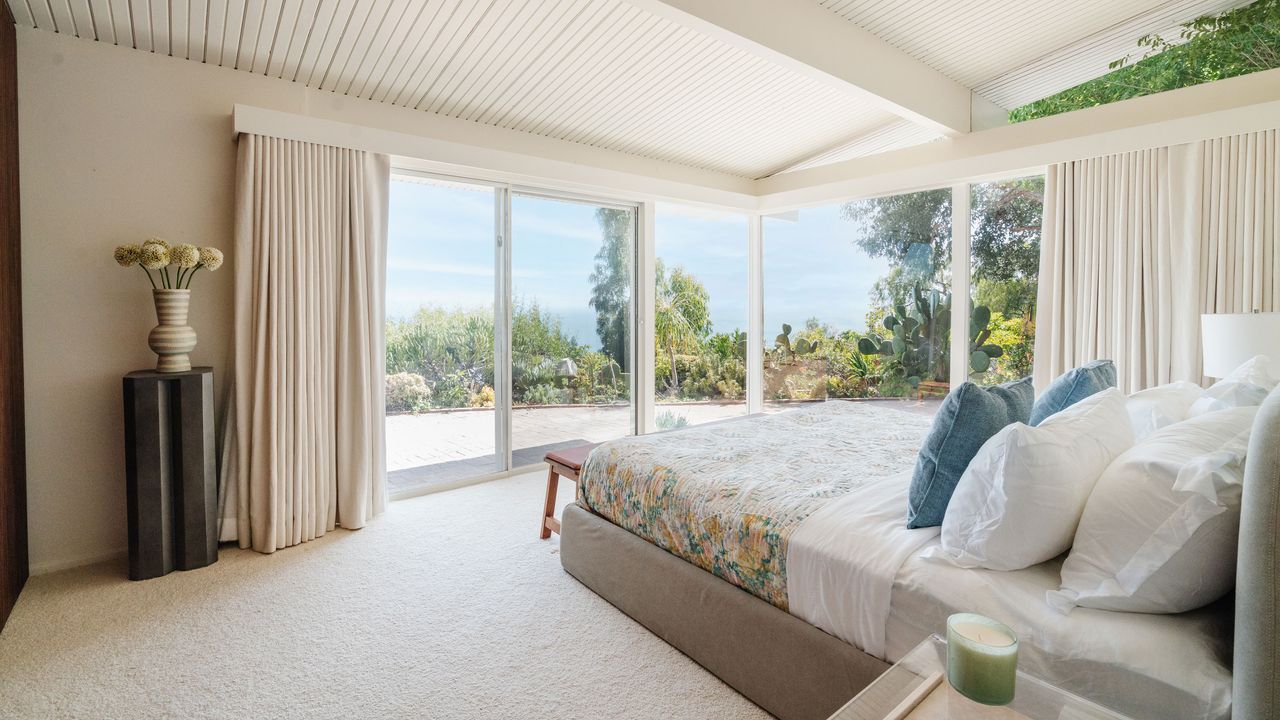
(1008, 218)
(1212, 47)
(681, 318)
(912, 230)
(611, 284)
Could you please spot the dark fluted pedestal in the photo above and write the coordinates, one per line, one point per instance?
(170, 471)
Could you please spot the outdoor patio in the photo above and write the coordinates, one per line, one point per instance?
(442, 448)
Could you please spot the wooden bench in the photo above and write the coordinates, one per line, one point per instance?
(565, 463)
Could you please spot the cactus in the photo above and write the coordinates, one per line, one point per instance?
(918, 347)
(800, 347)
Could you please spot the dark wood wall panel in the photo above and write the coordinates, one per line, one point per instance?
(13, 495)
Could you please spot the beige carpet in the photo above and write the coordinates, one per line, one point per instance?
(446, 607)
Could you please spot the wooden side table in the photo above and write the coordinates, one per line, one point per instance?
(561, 463)
(170, 471)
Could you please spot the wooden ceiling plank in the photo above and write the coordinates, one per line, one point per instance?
(392, 47)
(160, 27)
(197, 29)
(581, 63)
(446, 62)
(304, 24)
(233, 21)
(256, 14)
(514, 61)
(178, 29)
(371, 43)
(282, 36)
(491, 60)
(63, 22)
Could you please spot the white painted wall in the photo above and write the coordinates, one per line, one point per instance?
(116, 145)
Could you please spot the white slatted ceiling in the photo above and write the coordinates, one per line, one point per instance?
(597, 72)
(1013, 53)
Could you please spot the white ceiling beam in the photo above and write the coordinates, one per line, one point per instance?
(807, 38)
(1226, 107)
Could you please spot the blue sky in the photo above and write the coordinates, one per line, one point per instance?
(440, 252)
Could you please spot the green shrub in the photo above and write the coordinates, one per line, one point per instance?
(450, 391)
(545, 395)
(483, 399)
(668, 420)
(407, 392)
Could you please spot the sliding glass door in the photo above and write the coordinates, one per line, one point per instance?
(441, 418)
(497, 351)
(572, 279)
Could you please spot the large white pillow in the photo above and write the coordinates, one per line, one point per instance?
(1161, 406)
(1159, 533)
(1020, 499)
(1246, 385)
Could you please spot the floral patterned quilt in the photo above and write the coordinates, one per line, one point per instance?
(727, 497)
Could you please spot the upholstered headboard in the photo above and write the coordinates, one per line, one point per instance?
(1256, 661)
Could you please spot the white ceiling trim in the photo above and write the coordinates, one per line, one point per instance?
(800, 36)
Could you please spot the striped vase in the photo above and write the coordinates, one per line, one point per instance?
(173, 338)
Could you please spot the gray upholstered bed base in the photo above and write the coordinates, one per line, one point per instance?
(781, 663)
(798, 672)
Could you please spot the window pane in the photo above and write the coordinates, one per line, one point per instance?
(700, 316)
(1005, 240)
(857, 300)
(571, 324)
(440, 275)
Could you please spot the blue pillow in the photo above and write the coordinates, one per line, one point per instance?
(968, 417)
(1073, 386)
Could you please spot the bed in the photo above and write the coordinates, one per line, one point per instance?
(797, 583)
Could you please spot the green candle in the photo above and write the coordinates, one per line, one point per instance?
(982, 658)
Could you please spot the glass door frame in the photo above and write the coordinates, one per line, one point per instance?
(641, 365)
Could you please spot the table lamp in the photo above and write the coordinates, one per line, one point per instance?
(1229, 339)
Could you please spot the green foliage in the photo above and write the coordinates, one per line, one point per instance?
(682, 317)
(917, 345)
(611, 283)
(545, 394)
(668, 420)
(912, 230)
(1212, 47)
(407, 392)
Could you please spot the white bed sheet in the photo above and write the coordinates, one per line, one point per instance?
(853, 570)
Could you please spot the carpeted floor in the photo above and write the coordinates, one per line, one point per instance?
(446, 607)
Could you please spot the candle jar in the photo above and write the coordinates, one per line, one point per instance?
(982, 658)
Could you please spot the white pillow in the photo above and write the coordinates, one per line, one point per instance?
(1161, 406)
(1246, 385)
(1159, 533)
(1018, 502)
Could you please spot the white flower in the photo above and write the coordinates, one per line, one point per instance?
(156, 241)
(153, 257)
(184, 256)
(127, 255)
(211, 257)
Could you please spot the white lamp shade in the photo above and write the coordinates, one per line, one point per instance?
(1230, 339)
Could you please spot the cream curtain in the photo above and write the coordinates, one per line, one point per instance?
(307, 444)
(1136, 246)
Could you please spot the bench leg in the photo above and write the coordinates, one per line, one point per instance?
(549, 521)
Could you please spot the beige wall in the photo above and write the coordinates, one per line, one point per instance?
(116, 145)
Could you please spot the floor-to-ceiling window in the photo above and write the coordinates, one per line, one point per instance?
(700, 315)
(572, 275)
(440, 332)
(498, 351)
(1006, 217)
(857, 300)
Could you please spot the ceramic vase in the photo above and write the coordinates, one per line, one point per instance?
(173, 338)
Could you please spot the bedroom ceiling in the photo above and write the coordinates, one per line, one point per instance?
(630, 76)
